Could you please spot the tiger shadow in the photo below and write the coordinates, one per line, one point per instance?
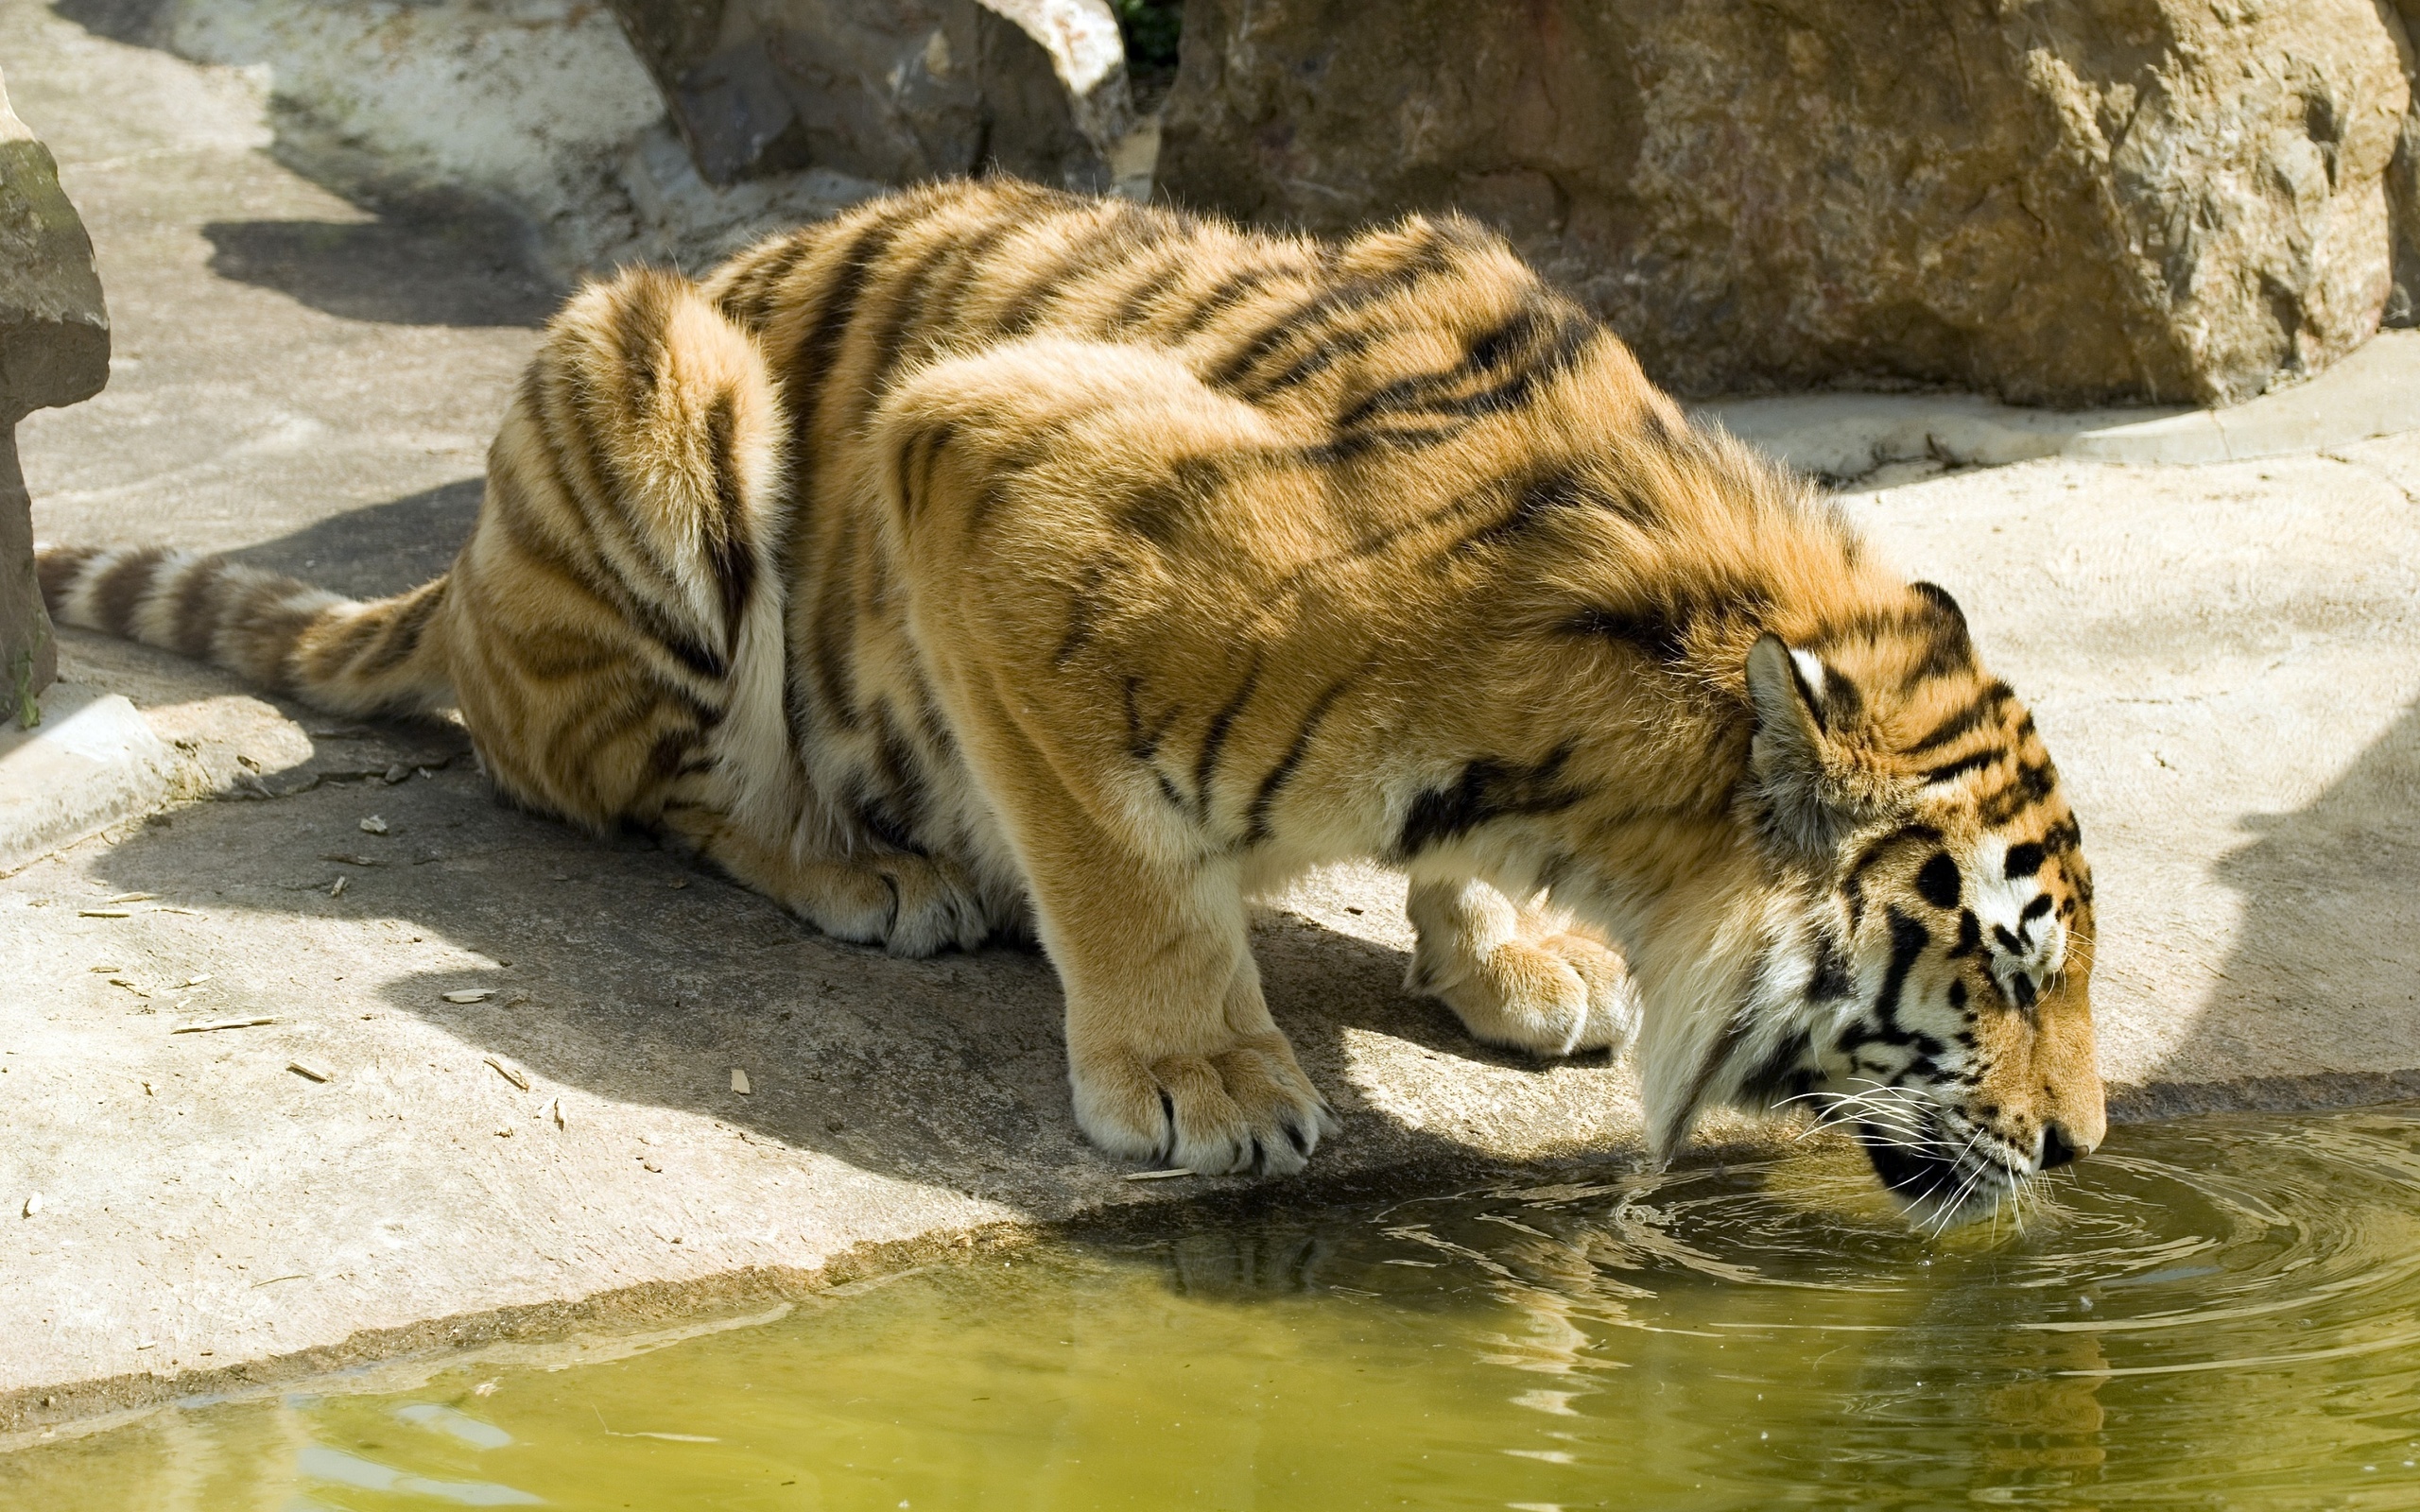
(616, 969)
(2328, 956)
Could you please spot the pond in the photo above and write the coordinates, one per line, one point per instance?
(2214, 1313)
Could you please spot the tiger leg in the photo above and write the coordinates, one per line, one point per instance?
(1172, 1054)
(908, 905)
(1519, 974)
(1171, 1051)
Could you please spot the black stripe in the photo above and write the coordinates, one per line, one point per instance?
(117, 591)
(1143, 741)
(194, 620)
(1507, 338)
(835, 627)
(1536, 500)
(520, 520)
(1225, 295)
(1265, 797)
(915, 479)
(750, 299)
(403, 632)
(1830, 980)
(1306, 319)
(2025, 859)
(1658, 633)
(58, 569)
(1335, 347)
(727, 544)
(940, 306)
(670, 753)
(589, 481)
(1938, 882)
(1947, 647)
(332, 651)
(1909, 938)
(1487, 789)
(894, 814)
(1033, 302)
(811, 363)
(1214, 738)
(2033, 782)
(603, 723)
(1385, 539)
(1152, 285)
(1853, 885)
(1971, 762)
(1985, 707)
(637, 338)
(905, 303)
(1780, 1071)
(1573, 338)
(1083, 610)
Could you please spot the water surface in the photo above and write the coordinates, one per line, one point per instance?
(2219, 1313)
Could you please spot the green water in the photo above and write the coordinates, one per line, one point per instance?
(2222, 1313)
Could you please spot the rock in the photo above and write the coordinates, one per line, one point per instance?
(2403, 192)
(54, 350)
(2061, 202)
(890, 89)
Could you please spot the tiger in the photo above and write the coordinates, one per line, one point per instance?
(990, 560)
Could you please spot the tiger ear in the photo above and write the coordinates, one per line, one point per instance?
(1939, 598)
(1799, 704)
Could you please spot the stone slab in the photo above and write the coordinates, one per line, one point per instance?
(92, 762)
(2375, 391)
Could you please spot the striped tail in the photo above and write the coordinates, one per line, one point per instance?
(384, 657)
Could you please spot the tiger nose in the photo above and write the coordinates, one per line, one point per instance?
(2059, 1148)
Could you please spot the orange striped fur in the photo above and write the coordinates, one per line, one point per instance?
(993, 558)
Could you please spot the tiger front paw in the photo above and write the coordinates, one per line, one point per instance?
(1247, 1108)
(1523, 979)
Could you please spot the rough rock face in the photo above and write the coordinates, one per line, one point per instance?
(2066, 201)
(54, 350)
(890, 90)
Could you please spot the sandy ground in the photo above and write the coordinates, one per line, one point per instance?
(2224, 659)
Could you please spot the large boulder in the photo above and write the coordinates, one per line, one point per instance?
(54, 350)
(888, 90)
(2063, 201)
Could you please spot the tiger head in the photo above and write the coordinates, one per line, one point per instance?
(1946, 944)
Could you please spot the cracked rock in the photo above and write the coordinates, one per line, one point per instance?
(2059, 203)
(54, 350)
(894, 91)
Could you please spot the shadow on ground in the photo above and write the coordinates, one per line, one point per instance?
(628, 973)
(384, 549)
(2328, 951)
(425, 254)
(418, 264)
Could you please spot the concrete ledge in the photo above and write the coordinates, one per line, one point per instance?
(93, 761)
(2375, 391)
